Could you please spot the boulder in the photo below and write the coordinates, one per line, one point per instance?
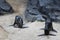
(37, 8)
(5, 7)
(32, 12)
(50, 7)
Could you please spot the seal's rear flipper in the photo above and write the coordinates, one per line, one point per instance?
(47, 35)
(54, 30)
(52, 35)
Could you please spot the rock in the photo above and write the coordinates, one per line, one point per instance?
(49, 7)
(37, 8)
(5, 7)
(32, 12)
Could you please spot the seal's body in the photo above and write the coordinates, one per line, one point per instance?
(18, 22)
(48, 27)
(48, 24)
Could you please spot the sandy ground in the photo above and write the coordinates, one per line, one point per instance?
(31, 33)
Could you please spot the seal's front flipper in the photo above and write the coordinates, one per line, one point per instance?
(42, 28)
(11, 25)
(42, 35)
(54, 30)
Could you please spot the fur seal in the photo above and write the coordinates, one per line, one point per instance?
(18, 22)
(48, 27)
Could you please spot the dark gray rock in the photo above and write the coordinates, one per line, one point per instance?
(36, 9)
(32, 12)
(32, 15)
(5, 7)
(49, 7)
